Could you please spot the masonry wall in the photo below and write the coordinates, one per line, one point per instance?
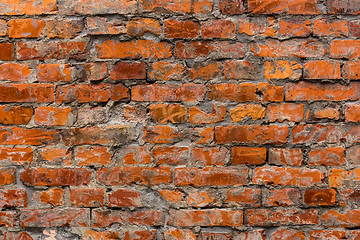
(179, 119)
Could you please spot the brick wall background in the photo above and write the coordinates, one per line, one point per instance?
(179, 119)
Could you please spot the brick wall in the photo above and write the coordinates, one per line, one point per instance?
(179, 119)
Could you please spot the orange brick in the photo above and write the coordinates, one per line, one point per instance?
(52, 116)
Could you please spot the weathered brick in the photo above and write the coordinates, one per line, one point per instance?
(25, 28)
(168, 92)
(28, 136)
(170, 155)
(53, 72)
(209, 156)
(55, 217)
(16, 156)
(281, 217)
(285, 156)
(52, 116)
(141, 26)
(257, 26)
(306, 7)
(130, 175)
(232, 7)
(331, 156)
(196, 116)
(177, 234)
(104, 218)
(344, 178)
(51, 197)
(162, 113)
(344, 49)
(64, 28)
(134, 154)
(218, 29)
(294, 28)
(105, 26)
(333, 28)
(248, 156)
(54, 156)
(323, 197)
(15, 115)
(93, 7)
(282, 69)
(87, 156)
(327, 234)
(251, 134)
(237, 69)
(55, 176)
(343, 7)
(125, 198)
(246, 197)
(189, 218)
(166, 71)
(286, 176)
(86, 197)
(165, 6)
(128, 71)
(287, 234)
(322, 70)
(347, 218)
(354, 28)
(31, 7)
(138, 49)
(13, 198)
(211, 176)
(181, 29)
(291, 112)
(111, 135)
(206, 71)
(351, 70)
(8, 218)
(282, 197)
(247, 111)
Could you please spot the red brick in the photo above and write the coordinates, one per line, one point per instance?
(104, 218)
(51, 50)
(16, 156)
(251, 134)
(343, 7)
(291, 112)
(134, 154)
(322, 197)
(331, 156)
(304, 48)
(220, 234)
(25, 28)
(244, 197)
(106, 235)
(15, 72)
(15, 115)
(141, 26)
(203, 6)
(204, 135)
(281, 217)
(241, 92)
(331, 28)
(248, 156)
(351, 70)
(110, 135)
(8, 218)
(306, 91)
(206, 71)
(344, 49)
(89, 156)
(3, 27)
(162, 113)
(170, 155)
(178, 234)
(166, 71)
(196, 116)
(284, 156)
(130, 175)
(247, 111)
(13, 198)
(294, 28)
(53, 72)
(55, 177)
(306, 7)
(237, 69)
(285, 176)
(271, 92)
(91, 93)
(258, 26)
(105, 26)
(169, 92)
(64, 28)
(31, 7)
(54, 156)
(282, 69)
(344, 178)
(53, 197)
(173, 196)
(232, 7)
(202, 199)
(26, 93)
(165, 6)
(353, 155)
(125, 198)
(346, 218)
(211, 176)
(7, 51)
(250, 235)
(213, 49)
(28, 136)
(323, 111)
(214, 217)
(218, 29)
(322, 70)
(161, 134)
(354, 28)
(134, 49)
(52, 116)
(181, 29)
(282, 197)
(281, 234)
(209, 156)
(128, 71)
(93, 7)
(94, 71)
(86, 197)
(327, 234)
(55, 217)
